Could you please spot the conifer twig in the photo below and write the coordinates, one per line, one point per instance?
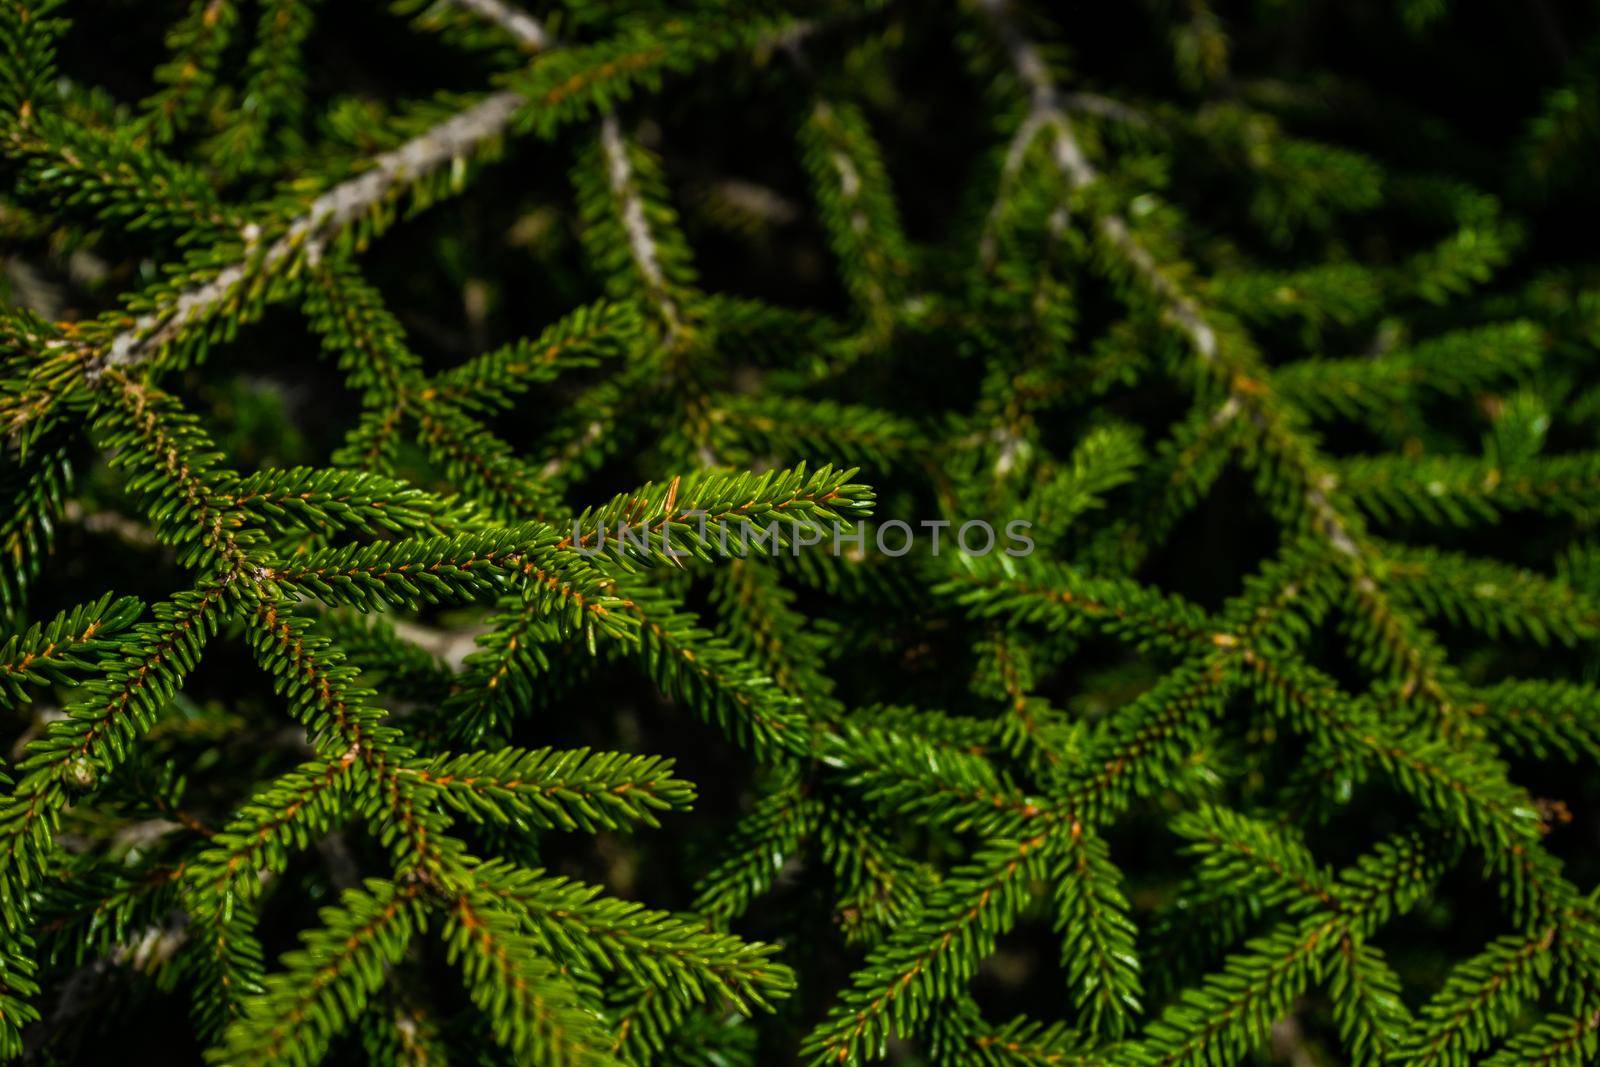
(339, 206)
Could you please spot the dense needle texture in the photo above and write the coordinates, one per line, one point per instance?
(748, 532)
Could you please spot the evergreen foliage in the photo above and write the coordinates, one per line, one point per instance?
(486, 538)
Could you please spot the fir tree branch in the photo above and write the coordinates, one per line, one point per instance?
(669, 952)
(536, 1011)
(570, 789)
(902, 978)
(49, 654)
(327, 982)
